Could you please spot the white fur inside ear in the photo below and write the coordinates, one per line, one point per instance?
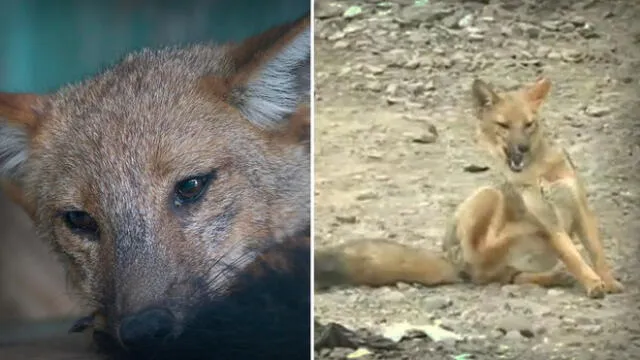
(14, 145)
(280, 85)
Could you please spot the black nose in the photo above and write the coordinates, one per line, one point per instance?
(523, 148)
(146, 328)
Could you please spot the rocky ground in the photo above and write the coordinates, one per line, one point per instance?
(394, 136)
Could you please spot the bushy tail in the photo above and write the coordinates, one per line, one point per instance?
(380, 263)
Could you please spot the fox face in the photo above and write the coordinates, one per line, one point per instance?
(508, 123)
(161, 180)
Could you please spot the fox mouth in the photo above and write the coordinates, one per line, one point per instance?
(516, 165)
(515, 160)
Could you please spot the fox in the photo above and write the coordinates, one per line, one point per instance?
(174, 186)
(517, 231)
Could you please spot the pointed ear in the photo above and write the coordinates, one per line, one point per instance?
(272, 77)
(19, 121)
(483, 94)
(537, 93)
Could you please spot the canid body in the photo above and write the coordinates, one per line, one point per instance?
(516, 232)
(163, 180)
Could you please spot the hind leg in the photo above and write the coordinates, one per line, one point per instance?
(481, 220)
(552, 278)
(510, 275)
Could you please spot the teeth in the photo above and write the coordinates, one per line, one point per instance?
(516, 165)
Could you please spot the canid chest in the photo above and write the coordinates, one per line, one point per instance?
(554, 203)
(550, 208)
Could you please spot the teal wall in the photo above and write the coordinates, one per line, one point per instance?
(47, 43)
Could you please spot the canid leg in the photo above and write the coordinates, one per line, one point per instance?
(576, 265)
(550, 278)
(481, 219)
(589, 236)
(586, 227)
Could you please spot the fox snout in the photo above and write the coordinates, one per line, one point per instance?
(146, 328)
(143, 319)
(516, 156)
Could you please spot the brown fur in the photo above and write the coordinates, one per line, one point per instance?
(511, 233)
(116, 145)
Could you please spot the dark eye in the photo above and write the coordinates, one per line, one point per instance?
(190, 190)
(528, 125)
(80, 221)
(503, 125)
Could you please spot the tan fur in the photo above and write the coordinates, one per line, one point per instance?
(511, 233)
(116, 145)
(380, 263)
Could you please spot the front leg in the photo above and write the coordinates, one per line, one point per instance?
(590, 237)
(577, 266)
(586, 227)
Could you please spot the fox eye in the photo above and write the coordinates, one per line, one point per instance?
(503, 125)
(80, 221)
(189, 190)
(528, 125)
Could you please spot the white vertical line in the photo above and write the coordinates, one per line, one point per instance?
(312, 184)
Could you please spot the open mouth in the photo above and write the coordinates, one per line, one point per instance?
(515, 160)
(516, 165)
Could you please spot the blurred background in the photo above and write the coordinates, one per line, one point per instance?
(45, 44)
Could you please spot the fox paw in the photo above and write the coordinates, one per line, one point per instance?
(596, 289)
(613, 286)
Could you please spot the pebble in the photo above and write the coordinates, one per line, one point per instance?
(567, 28)
(437, 303)
(466, 21)
(369, 195)
(597, 111)
(412, 64)
(555, 292)
(531, 31)
(375, 86)
(346, 219)
(392, 296)
(392, 89)
(551, 25)
(341, 45)
(572, 55)
(426, 138)
(514, 322)
(513, 335)
(375, 70)
(476, 37)
(554, 55)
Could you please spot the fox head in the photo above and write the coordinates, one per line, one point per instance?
(161, 179)
(507, 121)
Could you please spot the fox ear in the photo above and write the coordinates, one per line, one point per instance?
(483, 94)
(19, 119)
(272, 74)
(538, 92)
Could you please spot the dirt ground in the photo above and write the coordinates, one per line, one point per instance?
(387, 76)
